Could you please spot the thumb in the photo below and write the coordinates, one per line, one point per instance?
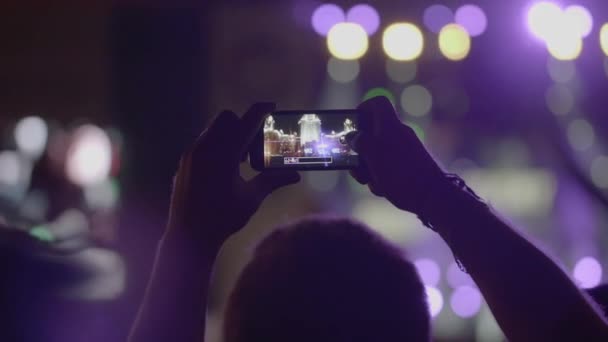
(268, 181)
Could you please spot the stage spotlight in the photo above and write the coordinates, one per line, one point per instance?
(544, 18)
(366, 16)
(31, 134)
(588, 272)
(89, 158)
(325, 17)
(403, 41)
(604, 38)
(565, 44)
(472, 18)
(434, 300)
(466, 301)
(436, 17)
(579, 19)
(454, 42)
(347, 41)
(429, 271)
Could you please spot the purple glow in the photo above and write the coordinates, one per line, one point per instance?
(588, 272)
(366, 16)
(466, 301)
(544, 18)
(429, 271)
(325, 17)
(580, 19)
(472, 18)
(457, 278)
(436, 17)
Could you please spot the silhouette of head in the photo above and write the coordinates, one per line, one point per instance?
(327, 279)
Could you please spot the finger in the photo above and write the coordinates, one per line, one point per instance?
(361, 175)
(252, 121)
(268, 181)
(216, 143)
(376, 114)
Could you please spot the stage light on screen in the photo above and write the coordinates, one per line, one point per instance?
(343, 71)
(544, 18)
(588, 272)
(366, 16)
(454, 42)
(559, 99)
(89, 157)
(472, 18)
(599, 172)
(466, 301)
(379, 92)
(31, 134)
(401, 72)
(403, 41)
(580, 134)
(604, 39)
(325, 17)
(456, 277)
(579, 19)
(429, 271)
(436, 17)
(561, 71)
(347, 41)
(434, 300)
(416, 100)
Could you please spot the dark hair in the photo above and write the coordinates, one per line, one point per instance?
(327, 279)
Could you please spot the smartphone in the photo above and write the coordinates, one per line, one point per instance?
(306, 140)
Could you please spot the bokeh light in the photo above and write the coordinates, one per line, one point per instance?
(436, 17)
(429, 271)
(456, 277)
(588, 272)
(561, 71)
(102, 195)
(343, 71)
(31, 135)
(325, 17)
(42, 233)
(604, 38)
(599, 171)
(379, 91)
(559, 99)
(416, 100)
(580, 134)
(472, 18)
(466, 301)
(565, 44)
(544, 18)
(434, 300)
(579, 19)
(454, 42)
(403, 41)
(366, 16)
(401, 72)
(89, 158)
(347, 41)
(71, 224)
(10, 168)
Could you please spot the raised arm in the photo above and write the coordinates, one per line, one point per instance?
(528, 293)
(210, 202)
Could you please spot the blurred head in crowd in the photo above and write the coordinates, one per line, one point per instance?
(327, 279)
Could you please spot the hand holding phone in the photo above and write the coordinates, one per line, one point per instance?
(306, 140)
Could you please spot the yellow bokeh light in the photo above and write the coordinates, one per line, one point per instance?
(565, 44)
(403, 41)
(347, 41)
(454, 42)
(604, 38)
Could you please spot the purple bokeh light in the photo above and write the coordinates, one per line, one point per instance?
(436, 17)
(366, 16)
(429, 271)
(588, 272)
(472, 18)
(325, 17)
(456, 277)
(466, 301)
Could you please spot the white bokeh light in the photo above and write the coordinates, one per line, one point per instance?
(579, 19)
(89, 158)
(434, 300)
(347, 41)
(544, 18)
(10, 168)
(31, 135)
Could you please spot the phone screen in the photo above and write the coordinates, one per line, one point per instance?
(310, 140)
